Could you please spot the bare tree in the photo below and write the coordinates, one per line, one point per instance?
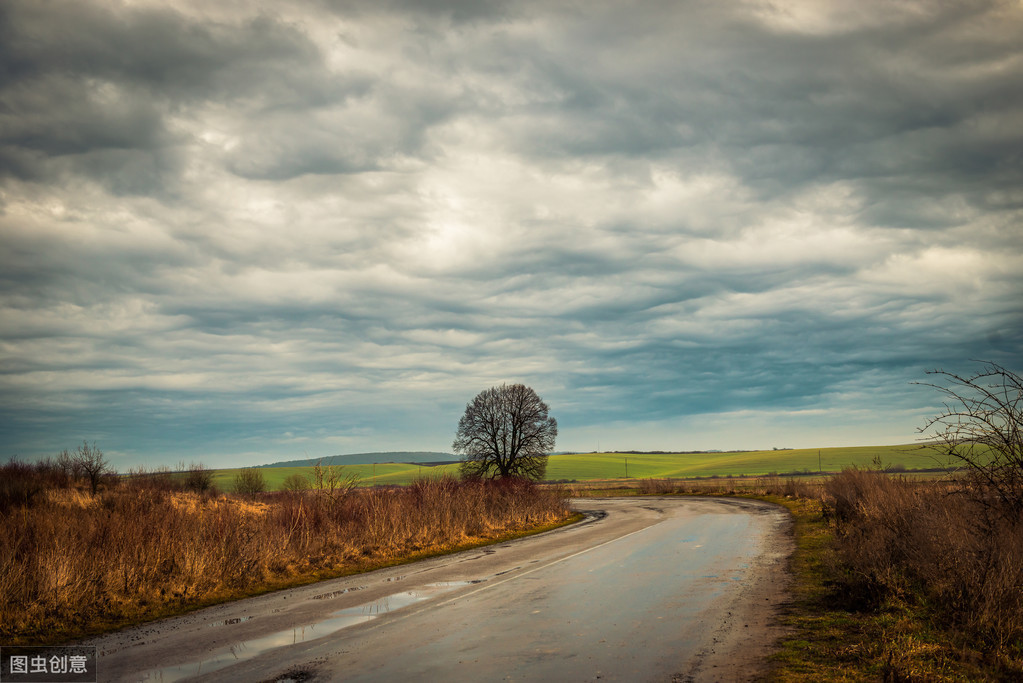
(68, 465)
(981, 428)
(506, 431)
(87, 461)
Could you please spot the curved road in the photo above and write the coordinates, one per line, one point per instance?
(660, 589)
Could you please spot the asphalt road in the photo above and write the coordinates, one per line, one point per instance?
(660, 589)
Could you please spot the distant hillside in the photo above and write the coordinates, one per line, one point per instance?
(416, 457)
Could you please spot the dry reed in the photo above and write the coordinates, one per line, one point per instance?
(71, 562)
(935, 544)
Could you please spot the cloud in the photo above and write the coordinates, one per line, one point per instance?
(99, 90)
(222, 225)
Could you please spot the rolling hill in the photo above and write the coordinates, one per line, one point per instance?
(403, 467)
(414, 457)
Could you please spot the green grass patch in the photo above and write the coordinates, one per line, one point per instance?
(369, 475)
(592, 466)
(585, 466)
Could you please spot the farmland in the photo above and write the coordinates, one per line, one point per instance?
(588, 466)
(381, 473)
(643, 466)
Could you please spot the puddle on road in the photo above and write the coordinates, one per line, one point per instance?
(337, 594)
(456, 584)
(251, 648)
(335, 622)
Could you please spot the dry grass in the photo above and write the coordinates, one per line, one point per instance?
(771, 485)
(935, 546)
(72, 563)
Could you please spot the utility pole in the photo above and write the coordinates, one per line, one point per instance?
(626, 467)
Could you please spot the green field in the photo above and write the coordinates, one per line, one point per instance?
(369, 475)
(586, 466)
(642, 466)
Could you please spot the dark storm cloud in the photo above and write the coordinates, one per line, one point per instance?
(296, 227)
(93, 89)
(434, 11)
(165, 52)
(925, 103)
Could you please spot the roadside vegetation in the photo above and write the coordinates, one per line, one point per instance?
(930, 574)
(74, 562)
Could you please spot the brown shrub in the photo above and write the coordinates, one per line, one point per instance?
(23, 484)
(932, 543)
(198, 478)
(157, 479)
(71, 560)
(771, 485)
(295, 482)
(249, 481)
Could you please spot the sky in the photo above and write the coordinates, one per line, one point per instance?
(240, 232)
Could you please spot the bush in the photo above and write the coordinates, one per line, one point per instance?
(295, 482)
(160, 479)
(20, 484)
(332, 483)
(199, 478)
(929, 543)
(249, 481)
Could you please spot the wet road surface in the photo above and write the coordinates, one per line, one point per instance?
(658, 589)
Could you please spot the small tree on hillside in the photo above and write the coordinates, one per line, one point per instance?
(87, 462)
(505, 431)
(981, 428)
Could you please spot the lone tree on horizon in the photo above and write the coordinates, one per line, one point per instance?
(506, 431)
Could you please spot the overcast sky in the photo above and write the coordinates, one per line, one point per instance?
(240, 232)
